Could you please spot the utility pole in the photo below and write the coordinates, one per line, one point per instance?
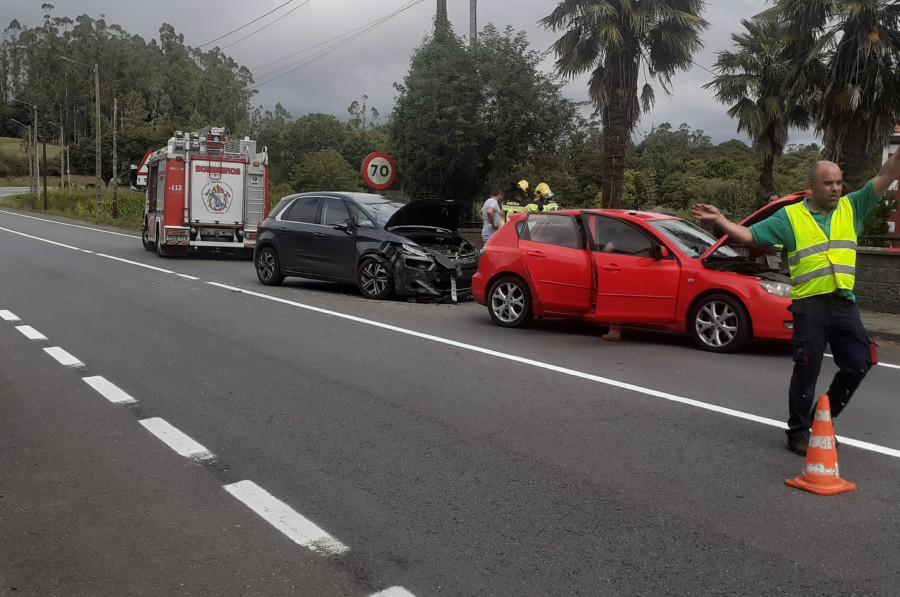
(97, 99)
(44, 139)
(115, 177)
(441, 17)
(473, 28)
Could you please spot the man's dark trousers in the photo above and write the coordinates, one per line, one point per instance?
(818, 321)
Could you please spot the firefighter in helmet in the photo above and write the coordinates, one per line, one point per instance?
(519, 199)
(543, 199)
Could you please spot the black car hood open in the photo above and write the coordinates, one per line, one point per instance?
(758, 216)
(437, 213)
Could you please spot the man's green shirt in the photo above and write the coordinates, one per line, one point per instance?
(776, 229)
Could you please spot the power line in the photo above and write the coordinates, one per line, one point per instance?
(268, 25)
(340, 42)
(247, 25)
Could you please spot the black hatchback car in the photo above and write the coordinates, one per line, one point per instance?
(386, 246)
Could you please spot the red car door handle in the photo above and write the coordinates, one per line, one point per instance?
(612, 268)
(539, 254)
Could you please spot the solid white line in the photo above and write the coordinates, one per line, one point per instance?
(31, 333)
(63, 357)
(8, 316)
(175, 439)
(393, 592)
(108, 390)
(12, 213)
(564, 370)
(137, 263)
(888, 365)
(284, 518)
(43, 240)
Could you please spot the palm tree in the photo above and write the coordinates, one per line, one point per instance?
(755, 79)
(615, 40)
(860, 41)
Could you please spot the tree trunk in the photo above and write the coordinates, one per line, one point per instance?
(854, 155)
(615, 140)
(766, 180)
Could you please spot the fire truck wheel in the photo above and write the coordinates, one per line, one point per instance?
(161, 248)
(268, 268)
(374, 279)
(145, 239)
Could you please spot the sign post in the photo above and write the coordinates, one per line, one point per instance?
(378, 170)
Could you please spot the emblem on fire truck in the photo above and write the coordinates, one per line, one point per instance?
(217, 197)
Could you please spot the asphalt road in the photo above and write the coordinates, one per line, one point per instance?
(435, 453)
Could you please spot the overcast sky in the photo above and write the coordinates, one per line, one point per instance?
(317, 75)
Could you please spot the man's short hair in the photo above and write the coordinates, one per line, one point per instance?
(497, 191)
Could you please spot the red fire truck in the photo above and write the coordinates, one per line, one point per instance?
(205, 192)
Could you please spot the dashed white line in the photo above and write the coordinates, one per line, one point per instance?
(8, 316)
(63, 357)
(31, 333)
(108, 390)
(284, 518)
(175, 439)
(12, 213)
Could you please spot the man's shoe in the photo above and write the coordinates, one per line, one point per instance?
(798, 445)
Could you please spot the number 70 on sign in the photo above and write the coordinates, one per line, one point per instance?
(378, 170)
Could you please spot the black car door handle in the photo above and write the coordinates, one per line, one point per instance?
(318, 235)
(282, 229)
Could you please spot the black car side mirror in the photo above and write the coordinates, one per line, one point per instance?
(345, 226)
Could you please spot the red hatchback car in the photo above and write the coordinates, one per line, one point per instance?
(643, 269)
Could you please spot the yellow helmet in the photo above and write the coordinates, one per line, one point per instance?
(543, 190)
(523, 184)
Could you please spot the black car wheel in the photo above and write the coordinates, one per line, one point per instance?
(374, 279)
(509, 302)
(268, 268)
(719, 323)
(145, 238)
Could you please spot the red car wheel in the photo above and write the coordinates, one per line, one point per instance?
(509, 302)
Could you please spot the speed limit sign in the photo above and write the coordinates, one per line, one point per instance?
(378, 170)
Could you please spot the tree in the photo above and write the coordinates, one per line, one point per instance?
(615, 40)
(756, 79)
(326, 169)
(470, 118)
(860, 101)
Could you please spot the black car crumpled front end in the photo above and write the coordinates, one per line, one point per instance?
(438, 265)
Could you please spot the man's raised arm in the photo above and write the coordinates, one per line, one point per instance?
(710, 213)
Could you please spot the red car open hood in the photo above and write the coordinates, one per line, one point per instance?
(758, 216)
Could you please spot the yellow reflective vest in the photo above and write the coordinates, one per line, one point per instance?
(819, 264)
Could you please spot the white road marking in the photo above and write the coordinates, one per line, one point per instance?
(63, 357)
(137, 263)
(284, 518)
(31, 333)
(393, 592)
(8, 316)
(536, 364)
(564, 370)
(888, 365)
(43, 240)
(108, 390)
(12, 213)
(175, 439)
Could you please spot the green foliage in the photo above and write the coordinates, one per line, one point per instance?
(324, 170)
(162, 86)
(467, 119)
(82, 204)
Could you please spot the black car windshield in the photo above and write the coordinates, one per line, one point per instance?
(691, 239)
(381, 208)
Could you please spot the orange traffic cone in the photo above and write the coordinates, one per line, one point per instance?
(820, 472)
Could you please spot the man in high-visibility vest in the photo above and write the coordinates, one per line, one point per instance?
(819, 234)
